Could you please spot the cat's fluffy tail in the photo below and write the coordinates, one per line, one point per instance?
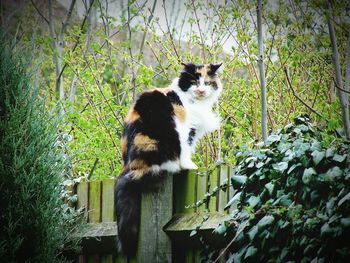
(127, 204)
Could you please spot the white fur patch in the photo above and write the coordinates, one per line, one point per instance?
(168, 166)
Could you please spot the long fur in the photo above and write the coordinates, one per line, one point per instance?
(160, 134)
(128, 198)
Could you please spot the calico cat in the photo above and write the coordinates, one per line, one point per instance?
(160, 134)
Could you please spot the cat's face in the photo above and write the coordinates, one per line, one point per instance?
(200, 81)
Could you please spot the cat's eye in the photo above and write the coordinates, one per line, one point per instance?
(209, 83)
(195, 82)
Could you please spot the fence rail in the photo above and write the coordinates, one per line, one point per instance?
(167, 217)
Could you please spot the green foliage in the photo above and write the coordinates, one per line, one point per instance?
(36, 223)
(107, 67)
(292, 200)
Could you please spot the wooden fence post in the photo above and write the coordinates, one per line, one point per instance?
(156, 210)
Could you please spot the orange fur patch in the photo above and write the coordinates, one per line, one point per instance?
(145, 143)
(180, 112)
(203, 71)
(132, 116)
(139, 168)
(124, 144)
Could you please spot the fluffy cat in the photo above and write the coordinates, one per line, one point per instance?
(160, 134)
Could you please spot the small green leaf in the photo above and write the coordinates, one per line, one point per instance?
(344, 199)
(345, 221)
(193, 233)
(318, 156)
(307, 176)
(234, 199)
(251, 251)
(252, 232)
(221, 229)
(270, 187)
(339, 158)
(239, 179)
(280, 167)
(253, 201)
(265, 221)
(335, 172)
(273, 138)
(293, 167)
(329, 152)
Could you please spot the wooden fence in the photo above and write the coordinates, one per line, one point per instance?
(167, 218)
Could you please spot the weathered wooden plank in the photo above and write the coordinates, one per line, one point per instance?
(106, 259)
(121, 259)
(213, 183)
(189, 222)
(81, 259)
(184, 191)
(108, 200)
(82, 192)
(201, 190)
(94, 202)
(93, 259)
(223, 195)
(95, 230)
(156, 210)
(231, 190)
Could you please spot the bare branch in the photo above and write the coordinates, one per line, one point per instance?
(296, 95)
(39, 12)
(68, 16)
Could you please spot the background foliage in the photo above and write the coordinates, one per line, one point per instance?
(36, 222)
(108, 58)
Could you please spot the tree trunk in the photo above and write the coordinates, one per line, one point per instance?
(262, 73)
(338, 79)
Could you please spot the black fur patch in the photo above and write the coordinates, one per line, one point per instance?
(156, 121)
(174, 98)
(188, 75)
(191, 135)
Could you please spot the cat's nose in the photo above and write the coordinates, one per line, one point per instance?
(201, 91)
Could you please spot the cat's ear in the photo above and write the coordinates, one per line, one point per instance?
(189, 67)
(216, 68)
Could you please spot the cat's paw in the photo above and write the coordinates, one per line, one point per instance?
(188, 165)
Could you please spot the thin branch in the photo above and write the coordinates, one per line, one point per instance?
(170, 35)
(78, 38)
(295, 95)
(39, 12)
(66, 20)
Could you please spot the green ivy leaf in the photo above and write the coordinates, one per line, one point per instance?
(251, 251)
(293, 167)
(307, 175)
(339, 158)
(221, 229)
(239, 179)
(344, 199)
(252, 232)
(317, 156)
(270, 187)
(265, 221)
(280, 167)
(253, 201)
(273, 138)
(234, 199)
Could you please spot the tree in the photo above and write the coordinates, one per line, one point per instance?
(342, 90)
(262, 72)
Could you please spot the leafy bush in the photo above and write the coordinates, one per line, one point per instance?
(292, 201)
(35, 222)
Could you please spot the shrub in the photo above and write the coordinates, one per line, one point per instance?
(292, 200)
(35, 222)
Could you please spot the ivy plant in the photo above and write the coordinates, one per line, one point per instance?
(291, 201)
